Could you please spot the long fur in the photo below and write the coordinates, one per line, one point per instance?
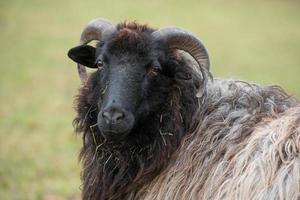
(237, 141)
(112, 170)
(246, 146)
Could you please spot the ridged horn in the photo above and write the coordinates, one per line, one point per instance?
(94, 30)
(177, 38)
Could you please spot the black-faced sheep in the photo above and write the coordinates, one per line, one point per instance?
(156, 125)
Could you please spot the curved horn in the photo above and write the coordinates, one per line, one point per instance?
(177, 38)
(94, 30)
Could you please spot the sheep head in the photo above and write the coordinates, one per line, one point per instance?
(137, 105)
(132, 69)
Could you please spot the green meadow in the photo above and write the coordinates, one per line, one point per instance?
(256, 41)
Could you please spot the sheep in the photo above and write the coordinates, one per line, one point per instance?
(157, 125)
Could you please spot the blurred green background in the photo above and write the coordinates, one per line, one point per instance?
(257, 41)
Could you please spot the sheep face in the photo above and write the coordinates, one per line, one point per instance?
(135, 108)
(133, 79)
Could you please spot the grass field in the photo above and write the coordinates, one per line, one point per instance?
(257, 41)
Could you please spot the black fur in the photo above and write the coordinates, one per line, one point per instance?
(164, 104)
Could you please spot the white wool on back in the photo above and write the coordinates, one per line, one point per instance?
(246, 146)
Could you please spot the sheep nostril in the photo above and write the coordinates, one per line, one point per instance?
(106, 116)
(118, 116)
(113, 117)
(115, 121)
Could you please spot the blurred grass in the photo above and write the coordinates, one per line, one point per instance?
(258, 41)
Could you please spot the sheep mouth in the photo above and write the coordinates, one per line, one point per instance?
(111, 134)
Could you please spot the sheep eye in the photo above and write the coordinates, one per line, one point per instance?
(99, 64)
(154, 71)
(157, 69)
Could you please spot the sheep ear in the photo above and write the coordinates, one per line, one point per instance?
(83, 54)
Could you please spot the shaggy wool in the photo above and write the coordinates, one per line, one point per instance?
(246, 146)
(203, 138)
